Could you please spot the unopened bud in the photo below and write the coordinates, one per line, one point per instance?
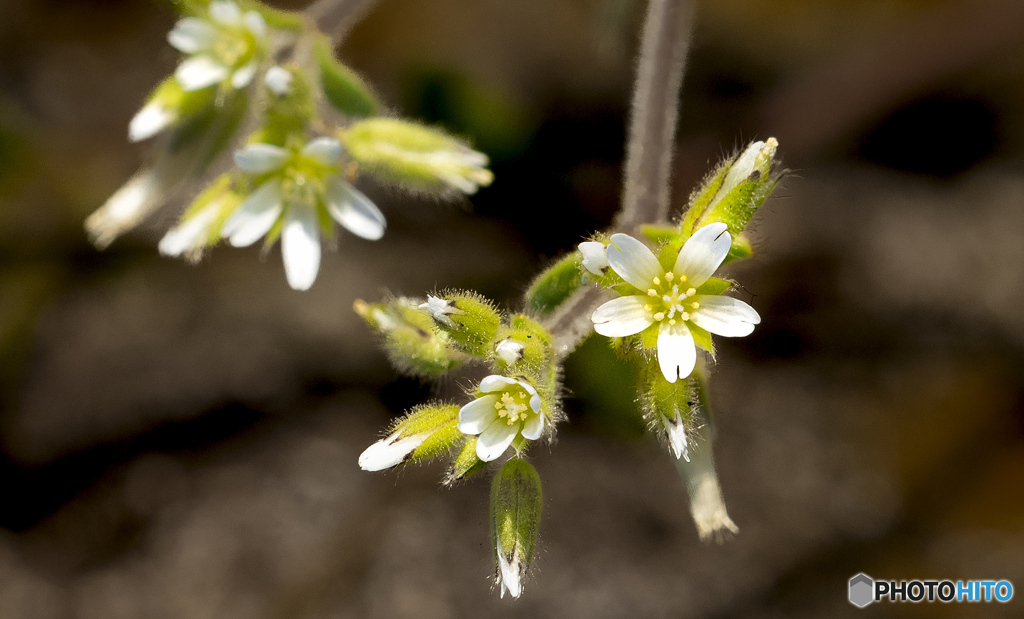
(423, 433)
(516, 502)
(468, 320)
(410, 340)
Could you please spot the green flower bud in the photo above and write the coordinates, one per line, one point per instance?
(425, 432)
(735, 190)
(669, 408)
(469, 320)
(417, 157)
(342, 88)
(556, 284)
(411, 342)
(289, 109)
(523, 347)
(516, 503)
(466, 463)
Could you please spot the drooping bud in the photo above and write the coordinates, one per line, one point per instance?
(167, 106)
(425, 432)
(469, 320)
(516, 503)
(735, 190)
(669, 408)
(201, 223)
(415, 156)
(410, 339)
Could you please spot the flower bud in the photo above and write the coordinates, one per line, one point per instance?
(423, 433)
(410, 340)
(342, 87)
(466, 463)
(524, 347)
(554, 285)
(167, 106)
(417, 157)
(516, 502)
(669, 408)
(735, 190)
(469, 320)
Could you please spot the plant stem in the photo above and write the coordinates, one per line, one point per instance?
(666, 37)
(645, 195)
(335, 17)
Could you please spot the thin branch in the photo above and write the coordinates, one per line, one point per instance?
(335, 17)
(666, 38)
(645, 196)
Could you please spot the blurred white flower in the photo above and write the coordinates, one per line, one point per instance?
(294, 184)
(224, 46)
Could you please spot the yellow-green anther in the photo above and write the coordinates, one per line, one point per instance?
(516, 502)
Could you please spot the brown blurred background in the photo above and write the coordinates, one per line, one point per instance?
(182, 442)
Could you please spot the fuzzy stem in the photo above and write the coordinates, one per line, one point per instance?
(666, 37)
(335, 17)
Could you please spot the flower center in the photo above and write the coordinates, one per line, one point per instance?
(669, 298)
(513, 408)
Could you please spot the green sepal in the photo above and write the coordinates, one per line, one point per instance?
(701, 338)
(714, 286)
(342, 87)
(702, 197)
(473, 324)
(740, 249)
(660, 235)
(466, 462)
(275, 18)
(516, 503)
(554, 285)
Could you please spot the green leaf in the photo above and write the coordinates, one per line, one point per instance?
(344, 90)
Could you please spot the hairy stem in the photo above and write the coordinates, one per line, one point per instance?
(645, 196)
(335, 17)
(666, 37)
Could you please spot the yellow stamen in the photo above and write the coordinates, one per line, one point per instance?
(669, 276)
(659, 316)
(657, 281)
(691, 292)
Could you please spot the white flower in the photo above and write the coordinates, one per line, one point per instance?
(505, 409)
(509, 350)
(595, 256)
(299, 182)
(670, 300)
(227, 45)
(390, 451)
(129, 205)
(510, 572)
(440, 310)
(278, 80)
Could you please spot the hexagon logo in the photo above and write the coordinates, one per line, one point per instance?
(862, 589)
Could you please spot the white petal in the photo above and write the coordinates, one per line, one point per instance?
(477, 415)
(300, 246)
(677, 353)
(677, 436)
(389, 452)
(740, 170)
(509, 350)
(135, 200)
(633, 261)
(325, 151)
(256, 24)
(241, 78)
(278, 80)
(534, 426)
(254, 217)
(198, 72)
(354, 211)
(495, 439)
(595, 256)
(261, 158)
(192, 232)
(621, 317)
(724, 316)
(226, 12)
(510, 578)
(703, 253)
(495, 383)
(149, 121)
(192, 35)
